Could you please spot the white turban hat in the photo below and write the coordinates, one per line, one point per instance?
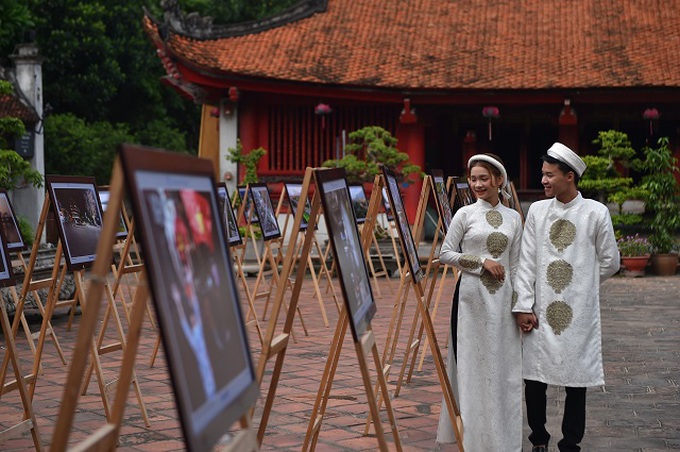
(570, 158)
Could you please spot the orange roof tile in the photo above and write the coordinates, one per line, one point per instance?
(456, 44)
(12, 106)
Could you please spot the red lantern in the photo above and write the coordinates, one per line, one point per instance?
(323, 110)
(651, 115)
(490, 113)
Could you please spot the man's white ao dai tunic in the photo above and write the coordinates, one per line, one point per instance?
(489, 370)
(567, 251)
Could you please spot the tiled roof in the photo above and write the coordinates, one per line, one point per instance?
(12, 106)
(457, 44)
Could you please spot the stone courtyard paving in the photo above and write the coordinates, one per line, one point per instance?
(637, 410)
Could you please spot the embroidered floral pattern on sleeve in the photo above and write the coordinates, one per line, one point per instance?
(494, 218)
(559, 275)
(470, 262)
(497, 243)
(559, 315)
(562, 234)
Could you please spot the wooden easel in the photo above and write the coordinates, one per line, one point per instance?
(106, 437)
(364, 347)
(30, 285)
(29, 422)
(423, 311)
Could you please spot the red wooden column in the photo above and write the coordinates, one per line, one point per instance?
(250, 130)
(568, 133)
(411, 136)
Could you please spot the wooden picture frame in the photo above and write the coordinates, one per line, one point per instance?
(464, 195)
(104, 194)
(6, 273)
(401, 220)
(293, 192)
(233, 235)
(10, 224)
(79, 217)
(189, 267)
(442, 199)
(264, 210)
(344, 236)
(357, 195)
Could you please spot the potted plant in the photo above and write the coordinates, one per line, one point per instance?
(663, 200)
(635, 252)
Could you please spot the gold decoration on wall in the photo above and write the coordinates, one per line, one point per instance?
(559, 275)
(562, 234)
(491, 283)
(494, 218)
(496, 243)
(470, 261)
(559, 315)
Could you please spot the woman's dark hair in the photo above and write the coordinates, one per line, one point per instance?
(562, 166)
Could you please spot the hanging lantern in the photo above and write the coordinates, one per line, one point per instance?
(323, 110)
(490, 113)
(651, 115)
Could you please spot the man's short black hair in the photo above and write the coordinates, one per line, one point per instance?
(562, 166)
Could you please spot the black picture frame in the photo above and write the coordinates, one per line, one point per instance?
(464, 194)
(359, 202)
(104, 195)
(189, 267)
(10, 224)
(6, 273)
(401, 220)
(79, 217)
(293, 192)
(343, 234)
(233, 235)
(441, 199)
(264, 210)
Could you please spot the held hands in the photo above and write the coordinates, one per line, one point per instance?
(527, 321)
(496, 270)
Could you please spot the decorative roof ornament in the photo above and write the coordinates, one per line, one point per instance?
(195, 26)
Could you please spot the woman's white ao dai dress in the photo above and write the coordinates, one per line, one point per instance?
(489, 361)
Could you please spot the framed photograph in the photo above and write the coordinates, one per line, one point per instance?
(104, 194)
(441, 199)
(10, 225)
(264, 210)
(401, 220)
(386, 205)
(6, 275)
(464, 195)
(293, 192)
(192, 284)
(344, 236)
(359, 202)
(248, 211)
(233, 235)
(78, 212)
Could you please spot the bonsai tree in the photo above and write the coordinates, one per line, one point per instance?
(249, 161)
(663, 195)
(368, 148)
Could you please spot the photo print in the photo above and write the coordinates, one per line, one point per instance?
(228, 216)
(76, 206)
(346, 242)
(293, 192)
(387, 205)
(359, 202)
(6, 275)
(10, 225)
(104, 195)
(402, 224)
(248, 212)
(264, 210)
(442, 200)
(192, 283)
(464, 195)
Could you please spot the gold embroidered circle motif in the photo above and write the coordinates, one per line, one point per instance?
(562, 234)
(470, 262)
(491, 283)
(496, 243)
(514, 299)
(559, 275)
(494, 218)
(559, 316)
